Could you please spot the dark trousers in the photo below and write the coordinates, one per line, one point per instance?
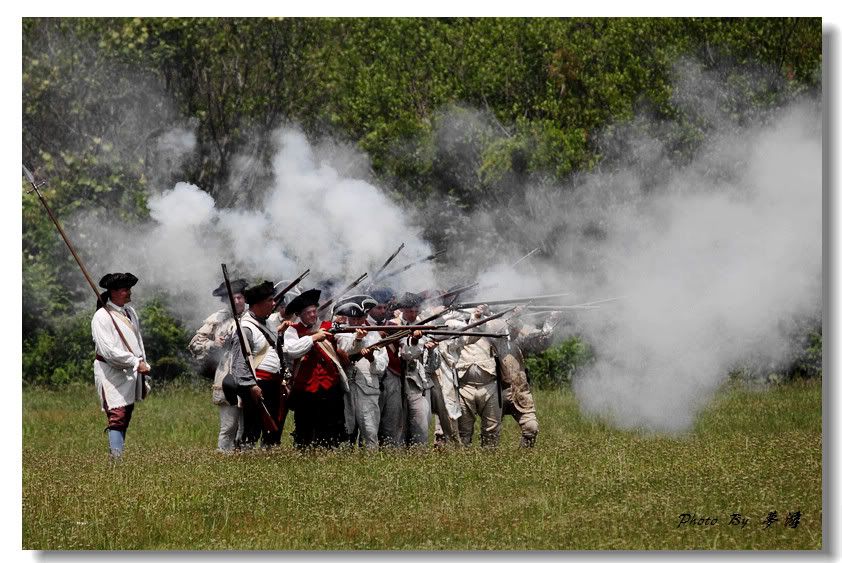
(319, 418)
(253, 425)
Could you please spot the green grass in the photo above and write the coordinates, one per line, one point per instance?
(586, 485)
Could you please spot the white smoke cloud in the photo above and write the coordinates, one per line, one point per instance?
(710, 272)
(311, 217)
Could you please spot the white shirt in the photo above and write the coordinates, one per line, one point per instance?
(117, 378)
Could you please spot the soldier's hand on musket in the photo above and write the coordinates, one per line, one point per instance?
(319, 336)
(429, 345)
(220, 340)
(143, 367)
(256, 393)
(360, 333)
(282, 328)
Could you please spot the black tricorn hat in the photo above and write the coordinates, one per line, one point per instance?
(409, 300)
(117, 281)
(307, 298)
(354, 305)
(258, 293)
(237, 286)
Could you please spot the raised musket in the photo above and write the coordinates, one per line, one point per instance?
(266, 417)
(452, 295)
(408, 266)
(279, 297)
(527, 255)
(388, 261)
(351, 286)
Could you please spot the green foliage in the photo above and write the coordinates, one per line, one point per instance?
(556, 366)
(165, 341)
(62, 354)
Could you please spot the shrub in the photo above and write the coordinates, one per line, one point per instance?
(556, 366)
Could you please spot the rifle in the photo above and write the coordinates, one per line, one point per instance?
(265, 417)
(279, 298)
(525, 257)
(464, 330)
(376, 275)
(509, 301)
(452, 295)
(31, 179)
(353, 284)
(408, 266)
(336, 329)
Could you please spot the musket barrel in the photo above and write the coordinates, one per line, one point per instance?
(408, 266)
(510, 301)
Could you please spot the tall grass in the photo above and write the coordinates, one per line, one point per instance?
(585, 486)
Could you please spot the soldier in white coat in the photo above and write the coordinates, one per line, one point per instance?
(366, 366)
(120, 367)
(211, 346)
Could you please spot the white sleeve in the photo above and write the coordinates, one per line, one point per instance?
(347, 342)
(296, 346)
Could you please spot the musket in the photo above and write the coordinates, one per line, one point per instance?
(399, 335)
(376, 275)
(453, 332)
(525, 257)
(336, 329)
(330, 301)
(284, 291)
(31, 179)
(265, 417)
(551, 308)
(454, 294)
(464, 329)
(509, 301)
(408, 266)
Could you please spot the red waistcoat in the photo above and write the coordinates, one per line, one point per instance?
(314, 370)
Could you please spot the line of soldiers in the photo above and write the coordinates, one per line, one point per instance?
(359, 386)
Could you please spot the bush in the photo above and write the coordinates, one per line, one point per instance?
(61, 353)
(556, 366)
(64, 352)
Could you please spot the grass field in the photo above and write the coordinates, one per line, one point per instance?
(585, 486)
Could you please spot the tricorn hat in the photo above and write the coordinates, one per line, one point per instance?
(354, 305)
(409, 300)
(301, 302)
(117, 281)
(258, 293)
(237, 286)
